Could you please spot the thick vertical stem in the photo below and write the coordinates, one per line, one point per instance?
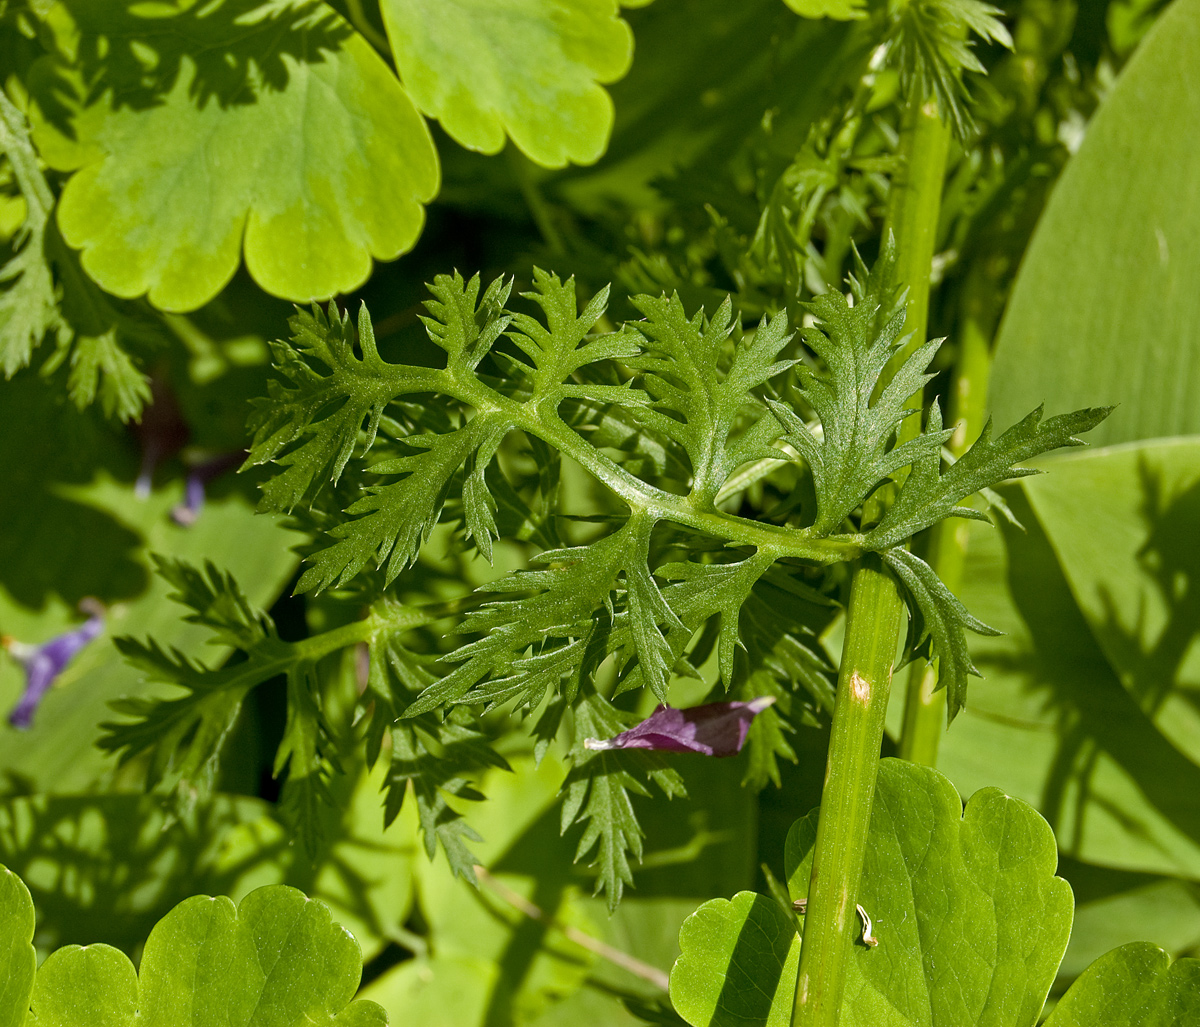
(925, 707)
(872, 629)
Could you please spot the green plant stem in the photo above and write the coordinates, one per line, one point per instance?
(873, 622)
(925, 705)
(912, 219)
(872, 628)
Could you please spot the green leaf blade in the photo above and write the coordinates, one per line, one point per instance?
(176, 179)
(465, 65)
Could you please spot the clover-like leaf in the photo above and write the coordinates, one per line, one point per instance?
(754, 942)
(528, 69)
(1135, 985)
(276, 959)
(970, 919)
(270, 127)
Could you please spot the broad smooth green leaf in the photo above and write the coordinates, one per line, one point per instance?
(971, 921)
(18, 961)
(527, 69)
(1105, 309)
(738, 964)
(270, 127)
(1136, 985)
(92, 986)
(1117, 793)
(1135, 571)
(275, 960)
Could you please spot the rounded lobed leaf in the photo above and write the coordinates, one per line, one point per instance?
(738, 963)
(85, 986)
(970, 920)
(1135, 985)
(531, 69)
(269, 128)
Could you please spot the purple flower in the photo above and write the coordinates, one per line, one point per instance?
(716, 729)
(200, 474)
(43, 663)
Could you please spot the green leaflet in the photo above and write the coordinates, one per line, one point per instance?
(265, 126)
(1136, 985)
(597, 792)
(277, 958)
(971, 920)
(465, 63)
(679, 359)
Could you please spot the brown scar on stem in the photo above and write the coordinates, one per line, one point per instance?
(860, 688)
(868, 938)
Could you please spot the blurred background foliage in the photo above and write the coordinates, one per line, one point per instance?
(705, 148)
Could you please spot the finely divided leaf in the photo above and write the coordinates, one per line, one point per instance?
(697, 400)
(438, 758)
(928, 494)
(597, 792)
(393, 521)
(942, 620)
(930, 42)
(854, 455)
(28, 302)
(311, 424)
(184, 736)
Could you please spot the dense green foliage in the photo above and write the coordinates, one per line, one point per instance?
(608, 376)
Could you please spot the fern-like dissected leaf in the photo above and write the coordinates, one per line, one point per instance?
(311, 426)
(437, 759)
(930, 42)
(930, 494)
(84, 324)
(28, 302)
(567, 622)
(694, 404)
(392, 522)
(854, 453)
(184, 736)
(942, 620)
(597, 792)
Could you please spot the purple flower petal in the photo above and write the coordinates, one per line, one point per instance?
(43, 663)
(715, 729)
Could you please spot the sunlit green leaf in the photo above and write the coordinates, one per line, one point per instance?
(1136, 985)
(466, 63)
(970, 919)
(268, 127)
